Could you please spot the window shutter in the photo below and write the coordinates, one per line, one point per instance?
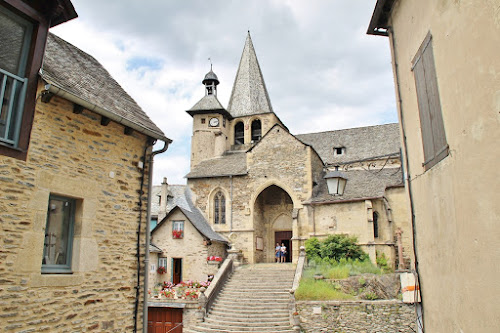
(429, 105)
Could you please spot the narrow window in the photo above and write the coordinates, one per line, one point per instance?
(338, 151)
(203, 120)
(239, 134)
(178, 229)
(58, 242)
(162, 262)
(429, 106)
(375, 224)
(154, 223)
(256, 130)
(219, 208)
(15, 34)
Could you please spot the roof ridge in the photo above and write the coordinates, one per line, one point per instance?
(347, 129)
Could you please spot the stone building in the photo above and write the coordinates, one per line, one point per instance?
(74, 159)
(256, 184)
(445, 64)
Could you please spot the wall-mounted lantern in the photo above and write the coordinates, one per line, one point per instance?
(336, 181)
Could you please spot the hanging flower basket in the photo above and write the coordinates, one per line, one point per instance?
(176, 234)
(161, 270)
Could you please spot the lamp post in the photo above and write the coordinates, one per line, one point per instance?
(336, 181)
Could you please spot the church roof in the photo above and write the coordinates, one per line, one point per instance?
(77, 73)
(249, 95)
(181, 199)
(361, 185)
(230, 164)
(360, 143)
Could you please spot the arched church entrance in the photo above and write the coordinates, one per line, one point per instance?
(272, 221)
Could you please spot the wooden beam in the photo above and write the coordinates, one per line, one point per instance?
(128, 130)
(77, 108)
(105, 121)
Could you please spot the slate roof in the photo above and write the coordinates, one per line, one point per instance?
(249, 95)
(361, 184)
(79, 74)
(234, 164)
(209, 102)
(175, 194)
(182, 200)
(154, 248)
(360, 143)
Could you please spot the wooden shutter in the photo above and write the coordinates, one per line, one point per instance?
(429, 105)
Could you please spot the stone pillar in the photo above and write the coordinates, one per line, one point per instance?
(295, 235)
(202, 304)
(401, 264)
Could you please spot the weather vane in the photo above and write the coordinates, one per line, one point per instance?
(210, 63)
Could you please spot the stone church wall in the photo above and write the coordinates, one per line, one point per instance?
(72, 155)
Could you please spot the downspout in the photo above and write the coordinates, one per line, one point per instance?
(148, 234)
(407, 163)
(231, 194)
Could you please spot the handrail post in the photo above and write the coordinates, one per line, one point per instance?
(202, 304)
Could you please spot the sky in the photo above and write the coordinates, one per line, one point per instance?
(321, 70)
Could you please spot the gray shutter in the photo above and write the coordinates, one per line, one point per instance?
(429, 105)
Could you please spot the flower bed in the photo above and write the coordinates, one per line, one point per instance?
(188, 290)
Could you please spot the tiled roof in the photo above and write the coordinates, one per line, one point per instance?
(360, 143)
(175, 197)
(249, 95)
(79, 74)
(234, 164)
(360, 184)
(154, 248)
(209, 102)
(181, 199)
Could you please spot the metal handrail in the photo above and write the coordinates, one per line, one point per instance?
(21, 95)
(170, 330)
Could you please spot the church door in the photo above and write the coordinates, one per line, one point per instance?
(285, 238)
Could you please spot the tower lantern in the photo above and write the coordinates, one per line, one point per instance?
(210, 81)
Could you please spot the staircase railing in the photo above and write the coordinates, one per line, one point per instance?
(207, 298)
(294, 315)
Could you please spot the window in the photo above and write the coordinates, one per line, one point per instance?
(162, 262)
(338, 151)
(58, 241)
(178, 229)
(429, 105)
(15, 38)
(256, 130)
(375, 224)
(219, 208)
(239, 134)
(154, 223)
(152, 268)
(203, 120)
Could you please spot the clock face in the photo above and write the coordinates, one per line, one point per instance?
(214, 122)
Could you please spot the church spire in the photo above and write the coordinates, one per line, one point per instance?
(210, 81)
(249, 95)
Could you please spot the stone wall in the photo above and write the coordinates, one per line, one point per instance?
(72, 155)
(356, 316)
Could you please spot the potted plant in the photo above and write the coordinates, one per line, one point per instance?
(161, 270)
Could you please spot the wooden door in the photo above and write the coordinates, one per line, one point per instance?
(161, 320)
(285, 238)
(176, 270)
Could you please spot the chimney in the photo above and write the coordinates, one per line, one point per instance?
(163, 199)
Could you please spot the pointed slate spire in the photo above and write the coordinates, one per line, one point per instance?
(249, 95)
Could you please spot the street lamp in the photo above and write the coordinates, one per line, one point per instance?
(336, 181)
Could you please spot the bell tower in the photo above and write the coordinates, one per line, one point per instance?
(210, 123)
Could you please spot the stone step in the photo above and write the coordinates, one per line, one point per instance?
(242, 304)
(230, 322)
(198, 329)
(229, 292)
(247, 327)
(248, 313)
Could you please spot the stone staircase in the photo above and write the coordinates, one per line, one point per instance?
(255, 299)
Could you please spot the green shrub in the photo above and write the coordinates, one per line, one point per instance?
(370, 296)
(334, 247)
(382, 262)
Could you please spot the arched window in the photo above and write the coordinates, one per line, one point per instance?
(375, 224)
(239, 134)
(256, 130)
(219, 208)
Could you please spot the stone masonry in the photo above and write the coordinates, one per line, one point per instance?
(72, 155)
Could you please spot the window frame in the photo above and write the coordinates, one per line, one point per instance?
(241, 134)
(256, 132)
(174, 229)
(162, 260)
(67, 267)
(34, 61)
(434, 142)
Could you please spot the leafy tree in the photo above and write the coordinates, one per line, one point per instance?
(312, 248)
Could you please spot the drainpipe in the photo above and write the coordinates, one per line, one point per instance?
(231, 186)
(407, 163)
(148, 234)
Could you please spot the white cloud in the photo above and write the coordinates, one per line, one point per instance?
(321, 69)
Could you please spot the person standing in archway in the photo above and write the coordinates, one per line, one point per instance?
(283, 252)
(277, 252)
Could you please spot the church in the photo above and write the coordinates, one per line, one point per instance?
(253, 184)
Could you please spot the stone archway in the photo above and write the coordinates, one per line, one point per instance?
(272, 214)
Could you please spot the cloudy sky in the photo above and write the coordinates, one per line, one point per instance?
(321, 70)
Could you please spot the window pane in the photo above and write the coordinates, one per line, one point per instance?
(58, 232)
(15, 33)
(222, 209)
